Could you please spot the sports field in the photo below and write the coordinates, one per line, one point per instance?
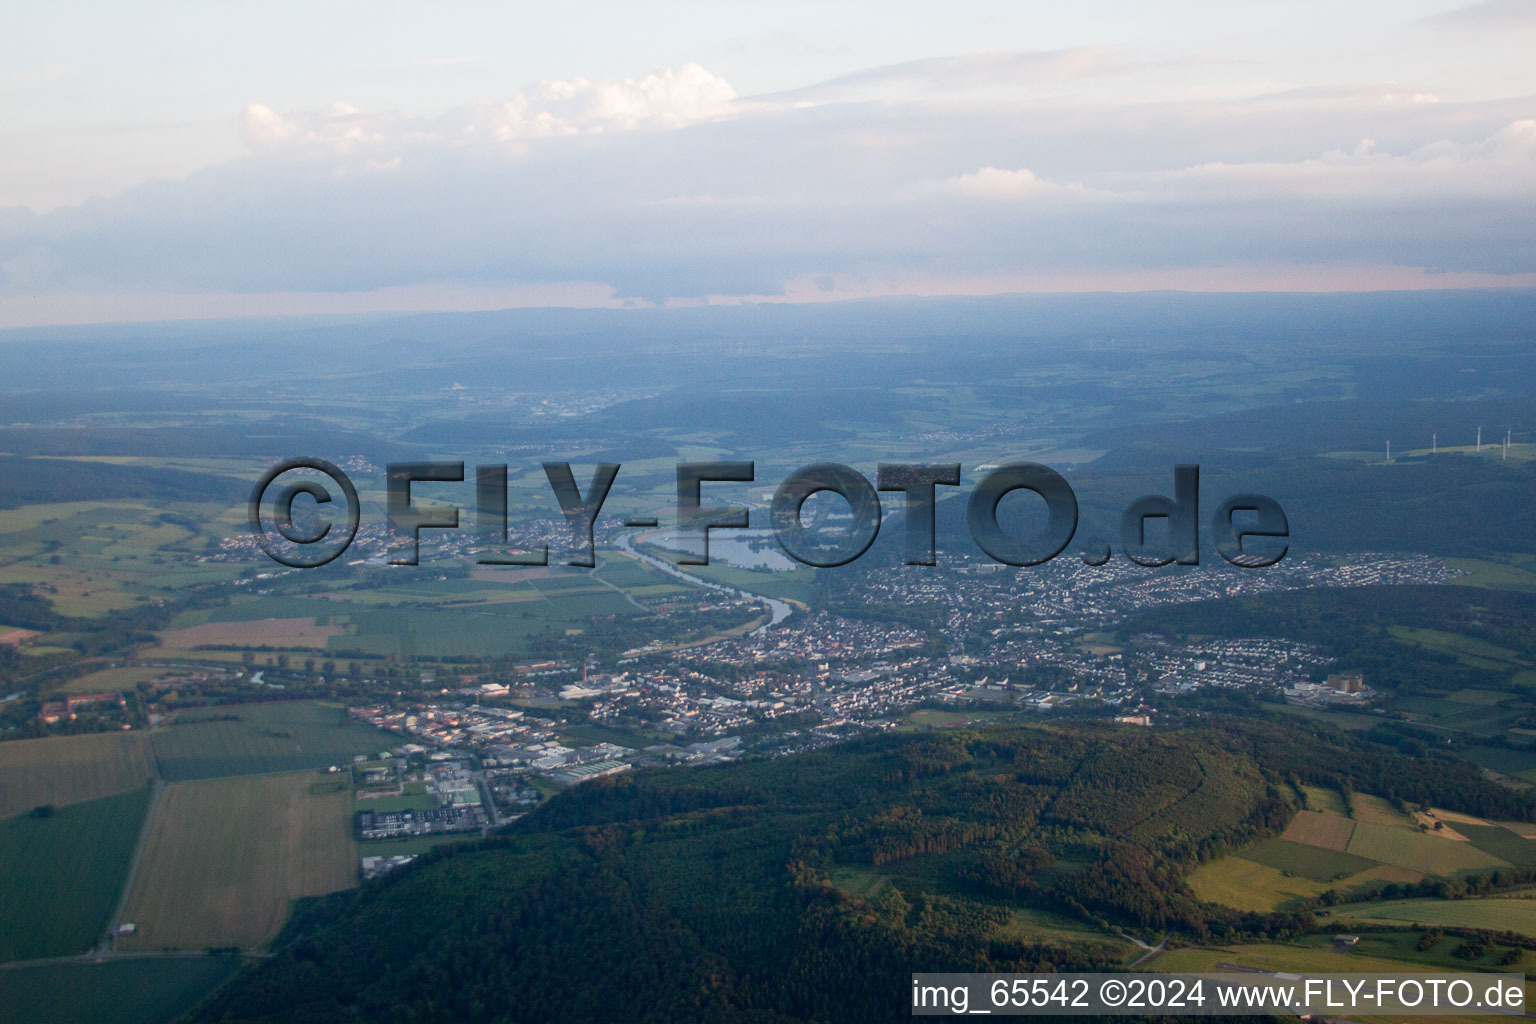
(225, 857)
(61, 875)
(69, 769)
(250, 739)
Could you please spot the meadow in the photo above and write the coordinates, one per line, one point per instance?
(408, 846)
(1505, 915)
(250, 739)
(61, 875)
(225, 857)
(1417, 851)
(70, 769)
(150, 990)
(1247, 885)
(1321, 864)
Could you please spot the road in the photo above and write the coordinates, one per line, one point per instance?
(1151, 951)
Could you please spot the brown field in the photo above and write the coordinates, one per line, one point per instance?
(70, 769)
(1313, 828)
(1523, 829)
(15, 636)
(226, 857)
(1457, 817)
(1443, 832)
(302, 633)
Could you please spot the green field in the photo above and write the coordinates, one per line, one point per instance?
(1502, 759)
(1381, 953)
(272, 737)
(1505, 915)
(1324, 800)
(409, 845)
(788, 584)
(1468, 650)
(1247, 885)
(60, 876)
(1416, 851)
(141, 991)
(1481, 573)
(1501, 842)
(408, 802)
(1306, 861)
(70, 769)
(584, 734)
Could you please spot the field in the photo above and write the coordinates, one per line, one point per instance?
(69, 769)
(1505, 915)
(409, 845)
(1377, 953)
(1318, 851)
(1469, 650)
(1323, 800)
(1320, 864)
(408, 802)
(285, 633)
(1480, 573)
(225, 857)
(1417, 851)
(1328, 831)
(153, 990)
(1377, 811)
(272, 737)
(1519, 763)
(111, 680)
(60, 876)
(1246, 885)
(1502, 843)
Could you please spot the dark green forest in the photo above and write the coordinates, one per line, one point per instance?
(722, 895)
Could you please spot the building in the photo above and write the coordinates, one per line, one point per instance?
(1346, 682)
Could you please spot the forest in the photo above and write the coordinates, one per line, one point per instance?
(722, 895)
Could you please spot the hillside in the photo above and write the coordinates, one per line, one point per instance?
(807, 888)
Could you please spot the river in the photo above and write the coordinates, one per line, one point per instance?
(778, 610)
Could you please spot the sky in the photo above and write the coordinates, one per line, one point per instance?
(182, 160)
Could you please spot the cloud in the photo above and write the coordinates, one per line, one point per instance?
(669, 187)
(1023, 184)
(664, 100)
(1489, 14)
(970, 72)
(1499, 167)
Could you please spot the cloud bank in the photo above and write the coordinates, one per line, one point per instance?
(957, 173)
